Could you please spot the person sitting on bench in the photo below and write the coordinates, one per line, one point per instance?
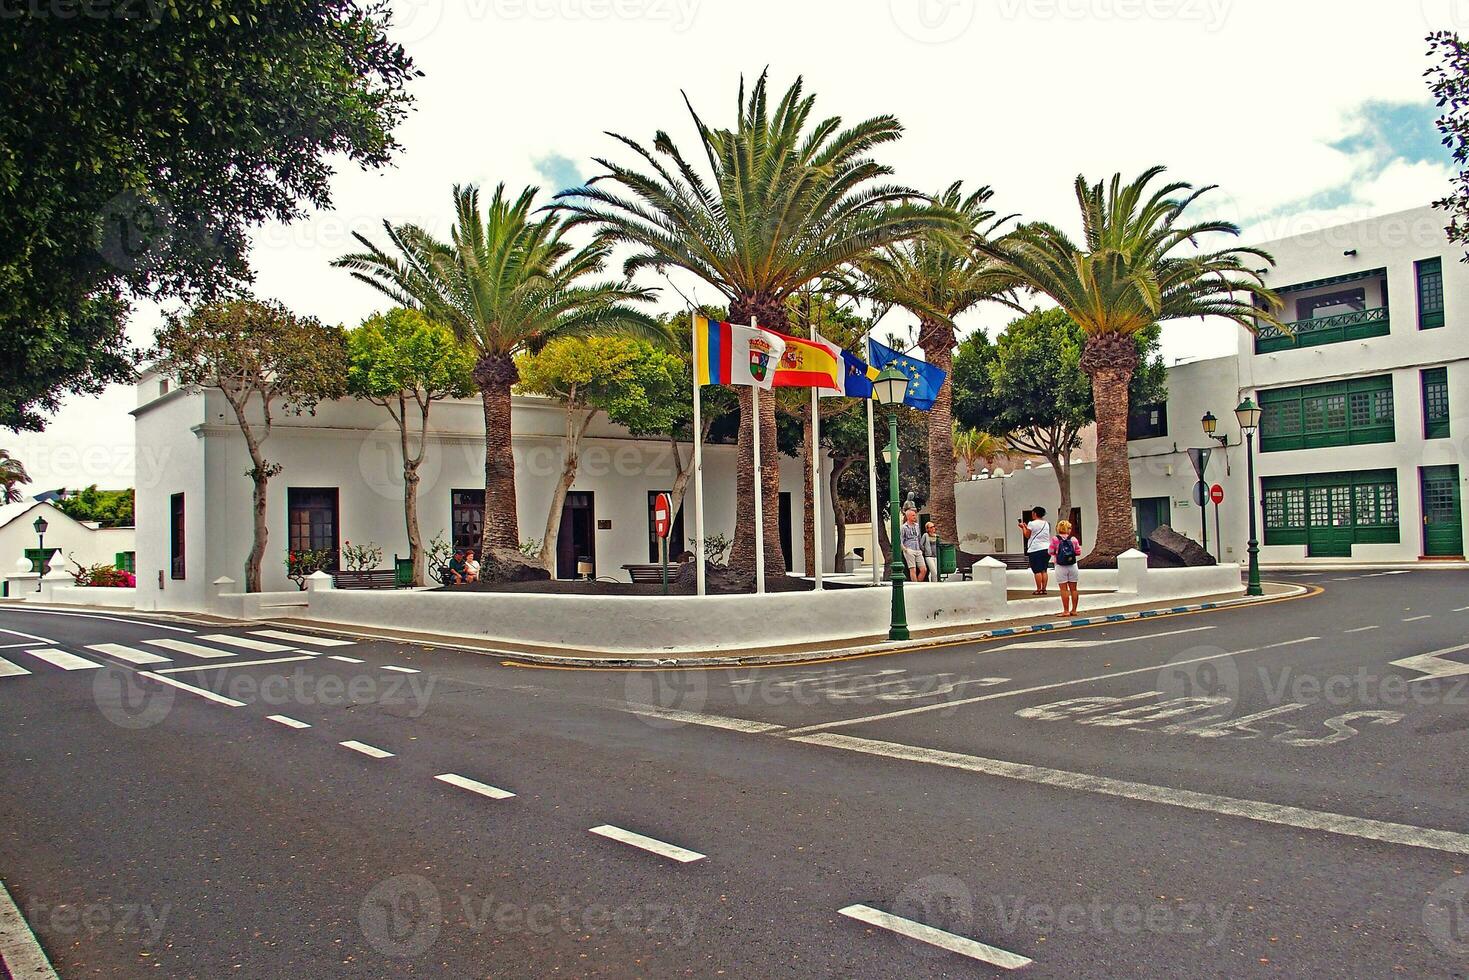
(458, 568)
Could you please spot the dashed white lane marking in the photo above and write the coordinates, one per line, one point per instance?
(244, 642)
(1361, 629)
(20, 952)
(314, 641)
(192, 649)
(1062, 644)
(8, 669)
(401, 670)
(694, 718)
(652, 846)
(286, 720)
(971, 948)
(131, 655)
(371, 751)
(236, 663)
(1272, 813)
(62, 659)
(474, 786)
(1462, 609)
(1414, 619)
(345, 660)
(206, 695)
(27, 636)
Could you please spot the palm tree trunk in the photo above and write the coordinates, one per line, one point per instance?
(1109, 360)
(742, 554)
(808, 505)
(937, 341)
(496, 374)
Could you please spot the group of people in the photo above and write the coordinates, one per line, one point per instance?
(463, 568)
(1042, 548)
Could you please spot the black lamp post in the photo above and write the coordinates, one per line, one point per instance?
(41, 527)
(888, 388)
(1248, 414)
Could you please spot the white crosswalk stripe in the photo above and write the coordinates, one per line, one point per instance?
(131, 655)
(192, 649)
(259, 646)
(315, 641)
(64, 660)
(8, 669)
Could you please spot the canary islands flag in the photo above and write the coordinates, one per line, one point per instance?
(857, 377)
(732, 354)
(924, 380)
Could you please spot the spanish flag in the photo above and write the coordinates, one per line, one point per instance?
(809, 364)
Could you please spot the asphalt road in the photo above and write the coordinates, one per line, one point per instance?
(1273, 790)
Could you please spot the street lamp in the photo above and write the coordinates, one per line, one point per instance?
(888, 388)
(1211, 424)
(41, 527)
(1248, 414)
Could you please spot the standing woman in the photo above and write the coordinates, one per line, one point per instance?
(1066, 549)
(1038, 547)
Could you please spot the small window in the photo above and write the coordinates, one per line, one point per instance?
(1148, 422)
(126, 561)
(467, 518)
(176, 537)
(1436, 403)
(1430, 293)
(162, 387)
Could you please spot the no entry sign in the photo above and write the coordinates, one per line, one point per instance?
(1216, 494)
(662, 519)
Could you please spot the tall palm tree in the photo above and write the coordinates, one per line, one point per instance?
(973, 445)
(12, 472)
(1139, 264)
(786, 200)
(504, 282)
(937, 277)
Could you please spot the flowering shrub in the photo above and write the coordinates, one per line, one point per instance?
(361, 557)
(102, 577)
(301, 565)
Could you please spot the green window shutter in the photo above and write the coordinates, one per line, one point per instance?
(1435, 403)
(1430, 293)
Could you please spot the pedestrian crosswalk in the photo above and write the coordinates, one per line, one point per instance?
(213, 649)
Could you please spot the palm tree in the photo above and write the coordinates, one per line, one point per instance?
(1132, 273)
(973, 445)
(12, 472)
(937, 278)
(505, 282)
(787, 200)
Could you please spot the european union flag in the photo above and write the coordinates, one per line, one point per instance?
(925, 380)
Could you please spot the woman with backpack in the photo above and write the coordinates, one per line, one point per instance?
(1066, 549)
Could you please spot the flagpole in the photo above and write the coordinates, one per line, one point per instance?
(818, 519)
(872, 497)
(759, 484)
(699, 571)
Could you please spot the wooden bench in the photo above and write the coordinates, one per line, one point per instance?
(966, 562)
(649, 573)
(377, 578)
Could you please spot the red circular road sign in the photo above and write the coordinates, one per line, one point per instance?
(662, 518)
(1216, 494)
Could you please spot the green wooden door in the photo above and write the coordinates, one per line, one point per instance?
(1443, 527)
(1329, 529)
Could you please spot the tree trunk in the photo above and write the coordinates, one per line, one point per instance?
(1061, 466)
(681, 476)
(410, 518)
(495, 375)
(937, 341)
(808, 505)
(742, 554)
(1109, 360)
(574, 434)
(839, 514)
(260, 478)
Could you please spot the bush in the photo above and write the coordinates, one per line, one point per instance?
(361, 557)
(102, 577)
(300, 565)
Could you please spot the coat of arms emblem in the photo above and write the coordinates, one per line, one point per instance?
(760, 351)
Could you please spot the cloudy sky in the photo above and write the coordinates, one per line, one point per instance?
(1305, 112)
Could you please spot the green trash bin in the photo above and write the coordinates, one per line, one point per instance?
(402, 572)
(948, 558)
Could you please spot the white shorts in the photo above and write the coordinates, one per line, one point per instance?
(1066, 573)
(913, 558)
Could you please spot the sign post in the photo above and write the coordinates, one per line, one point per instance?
(662, 521)
(1200, 459)
(1216, 494)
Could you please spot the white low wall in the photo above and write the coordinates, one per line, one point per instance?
(60, 589)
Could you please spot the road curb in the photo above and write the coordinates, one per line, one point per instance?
(843, 653)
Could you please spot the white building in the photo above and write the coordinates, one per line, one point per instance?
(67, 541)
(342, 481)
(1365, 422)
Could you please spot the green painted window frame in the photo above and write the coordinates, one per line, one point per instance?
(125, 561)
(1429, 275)
(1435, 402)
(1338, 413)
(1370, 498)
(34, 556)
(1356, 325)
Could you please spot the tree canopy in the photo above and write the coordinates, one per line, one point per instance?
(109, 508)
(138, 149)
(404, 353)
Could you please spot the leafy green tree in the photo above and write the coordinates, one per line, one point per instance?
(138, 148)
(108, 508)
(505, 283)
(937, 278)
(1448, 81)
(1141, 262)
(12, 474)
(631, 381)
(787, 199)
(260, 356)
(404, 362)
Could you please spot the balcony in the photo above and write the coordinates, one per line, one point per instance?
(1354, 325)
